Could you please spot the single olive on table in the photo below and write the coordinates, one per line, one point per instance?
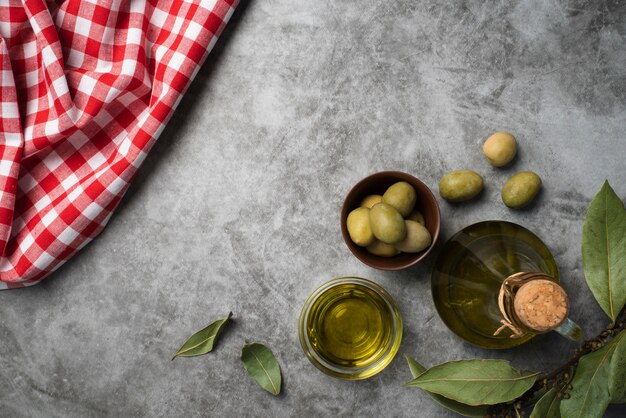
(521, 189)
(500, 148)
(460, 185)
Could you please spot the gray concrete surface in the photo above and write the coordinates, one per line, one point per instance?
(237, 206)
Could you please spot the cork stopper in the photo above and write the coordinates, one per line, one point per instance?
(541, 305)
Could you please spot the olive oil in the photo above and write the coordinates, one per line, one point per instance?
(350, 329)
(469, 272)
(350, 325)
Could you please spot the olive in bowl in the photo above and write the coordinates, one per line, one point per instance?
(404, 220)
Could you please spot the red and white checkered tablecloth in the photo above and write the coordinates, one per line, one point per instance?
(86, 87)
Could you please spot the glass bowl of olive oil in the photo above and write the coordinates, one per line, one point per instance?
(350, 328)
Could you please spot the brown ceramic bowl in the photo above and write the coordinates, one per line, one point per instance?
(378, 184)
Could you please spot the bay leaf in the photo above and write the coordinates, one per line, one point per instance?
(202, 341)
(260, 363)
(617, 368)
(476, 382)
(415, 367)
(554, 411)
(604, 250)
(548, 405)
(590, 395)
(458, 407)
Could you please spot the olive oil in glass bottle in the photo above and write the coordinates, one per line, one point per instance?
(468, 276)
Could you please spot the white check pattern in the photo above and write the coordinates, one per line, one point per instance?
(86, 87)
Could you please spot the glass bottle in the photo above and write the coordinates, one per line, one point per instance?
(477, 280)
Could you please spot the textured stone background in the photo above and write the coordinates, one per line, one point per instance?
(237, 206)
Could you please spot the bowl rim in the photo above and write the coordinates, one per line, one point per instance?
(337, 371)
(416, 257)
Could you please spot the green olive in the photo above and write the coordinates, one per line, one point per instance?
(381, 249)
(358, 224)
(500, 148)
(387, 223)
(521, 189)
(416, 216)
(401, 196)
(460, 185)
(371, 200)
(417, 238)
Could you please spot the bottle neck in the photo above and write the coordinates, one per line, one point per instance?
(531, 303)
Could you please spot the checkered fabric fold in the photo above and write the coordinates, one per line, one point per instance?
(86, 87)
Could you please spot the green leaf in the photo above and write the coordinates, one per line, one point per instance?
(590, 395)
(547, 406)
(458, 407)
(476, 382)
(617, 368)
(202, 341)
(554, 411)
(415, 368)
(604, 250)
(261, 364)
